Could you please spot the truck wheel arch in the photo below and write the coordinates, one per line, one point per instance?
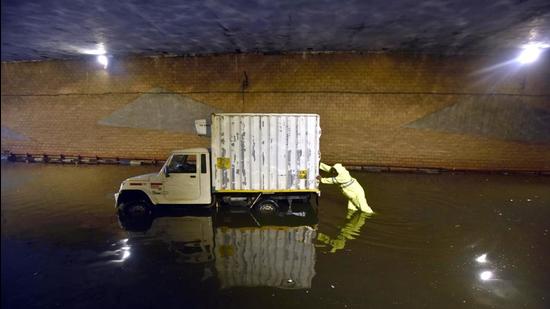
(132, 195)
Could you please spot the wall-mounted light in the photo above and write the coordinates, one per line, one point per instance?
(531, 52)
(103, 60)
(98, 50)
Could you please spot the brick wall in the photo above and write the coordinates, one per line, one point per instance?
(366, 102)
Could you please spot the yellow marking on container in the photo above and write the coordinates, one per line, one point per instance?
(302, 174)
(223, 163)
(226, 250)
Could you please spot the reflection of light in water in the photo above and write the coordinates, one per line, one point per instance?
(486, 275)
(118, 255)
(290, 283)
(482, 258)
(125, 249)
(125, 255)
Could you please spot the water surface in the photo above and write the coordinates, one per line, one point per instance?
(62, 246)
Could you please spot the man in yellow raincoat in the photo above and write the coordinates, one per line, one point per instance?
(350, 186)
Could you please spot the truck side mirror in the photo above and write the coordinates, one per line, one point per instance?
(166, 173)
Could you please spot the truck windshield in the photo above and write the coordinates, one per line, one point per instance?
(183, 164)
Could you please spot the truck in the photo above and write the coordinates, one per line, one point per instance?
(264, 162)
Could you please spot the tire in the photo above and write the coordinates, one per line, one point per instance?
(267, 208)
(136, 209)
(135, 215)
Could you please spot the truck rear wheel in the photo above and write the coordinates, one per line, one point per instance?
(267, 208)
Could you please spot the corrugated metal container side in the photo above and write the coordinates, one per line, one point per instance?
(265, 152)
(267, 256)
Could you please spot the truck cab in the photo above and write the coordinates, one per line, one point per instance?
(185, 179)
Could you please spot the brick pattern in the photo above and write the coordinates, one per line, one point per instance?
(364, 102)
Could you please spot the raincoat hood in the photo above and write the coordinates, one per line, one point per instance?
(340, 169)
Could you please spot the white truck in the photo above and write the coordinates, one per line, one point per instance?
(261, 161)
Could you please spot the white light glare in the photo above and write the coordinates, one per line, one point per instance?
(99, 50)
(103, 60)
(531, 52)
(486, 275)
(125, 252)
(125, 255)
(482, 258)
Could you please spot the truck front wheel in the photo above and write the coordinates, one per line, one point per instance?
(135, 215)
(135, 209)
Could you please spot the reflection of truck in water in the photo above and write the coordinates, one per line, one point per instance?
(262, 161)
(190, 237)
(276, 256)
(236, 248)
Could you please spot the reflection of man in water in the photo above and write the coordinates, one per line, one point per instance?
(352, 229)
(350, 186)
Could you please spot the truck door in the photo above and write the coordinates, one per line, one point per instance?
(182, 183)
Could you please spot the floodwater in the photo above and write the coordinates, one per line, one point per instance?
(436, 241)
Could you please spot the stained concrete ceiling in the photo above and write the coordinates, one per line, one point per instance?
(56, 29)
